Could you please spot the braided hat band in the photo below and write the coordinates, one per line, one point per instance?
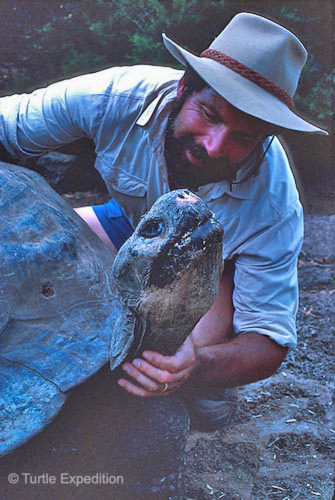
(250, 74)
(254, 64)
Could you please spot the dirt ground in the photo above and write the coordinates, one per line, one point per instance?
(281, 444)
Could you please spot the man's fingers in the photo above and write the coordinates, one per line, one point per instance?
(149, 384)
(141, 378)
(183, 359)
(134, 389)
(143, 392)
(161, 376)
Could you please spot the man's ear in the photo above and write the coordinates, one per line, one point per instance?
(181, 87)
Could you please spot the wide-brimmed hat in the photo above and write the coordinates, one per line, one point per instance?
(255, 64)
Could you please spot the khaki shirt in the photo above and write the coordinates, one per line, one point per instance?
(124, 110)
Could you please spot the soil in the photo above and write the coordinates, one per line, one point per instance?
(281, 443)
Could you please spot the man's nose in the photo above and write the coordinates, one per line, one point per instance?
(216, 142)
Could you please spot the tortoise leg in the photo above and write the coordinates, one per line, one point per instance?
(126, 447)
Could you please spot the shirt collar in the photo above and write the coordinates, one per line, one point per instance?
(161, 107)
(149, 111)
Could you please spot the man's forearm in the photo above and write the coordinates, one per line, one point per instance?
(247, 358)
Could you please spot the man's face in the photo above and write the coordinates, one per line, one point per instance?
(212, 138)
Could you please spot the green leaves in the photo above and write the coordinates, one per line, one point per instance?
(48, 41)
(144, 49)
(320, 102)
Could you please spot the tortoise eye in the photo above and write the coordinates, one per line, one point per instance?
(151, 229)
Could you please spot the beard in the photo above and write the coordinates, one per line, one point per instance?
(184, 174)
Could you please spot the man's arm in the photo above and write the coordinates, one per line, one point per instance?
(231, 360)
(31, 124)
(247, 358)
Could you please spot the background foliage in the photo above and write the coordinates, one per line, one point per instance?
(44, 41)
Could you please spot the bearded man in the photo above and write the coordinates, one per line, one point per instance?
(213, 130)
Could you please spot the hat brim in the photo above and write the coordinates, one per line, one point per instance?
(241, 92)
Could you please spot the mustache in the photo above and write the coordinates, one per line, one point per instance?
(221, 167)
(200, 152)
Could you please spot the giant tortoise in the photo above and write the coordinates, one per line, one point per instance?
(67, 305)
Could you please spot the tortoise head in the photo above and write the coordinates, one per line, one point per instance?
(168, 271)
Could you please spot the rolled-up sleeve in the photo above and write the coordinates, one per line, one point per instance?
(266, 286)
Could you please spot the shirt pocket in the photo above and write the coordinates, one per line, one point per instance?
(125, 183)
(127, 189)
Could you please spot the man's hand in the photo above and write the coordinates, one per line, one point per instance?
(151, 374)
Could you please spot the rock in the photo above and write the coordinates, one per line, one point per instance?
(54, 166)
(319, 237)
(67, 170)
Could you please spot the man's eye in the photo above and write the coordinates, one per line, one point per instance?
(210, 116)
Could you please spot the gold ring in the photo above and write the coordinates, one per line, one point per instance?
(165, 388)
